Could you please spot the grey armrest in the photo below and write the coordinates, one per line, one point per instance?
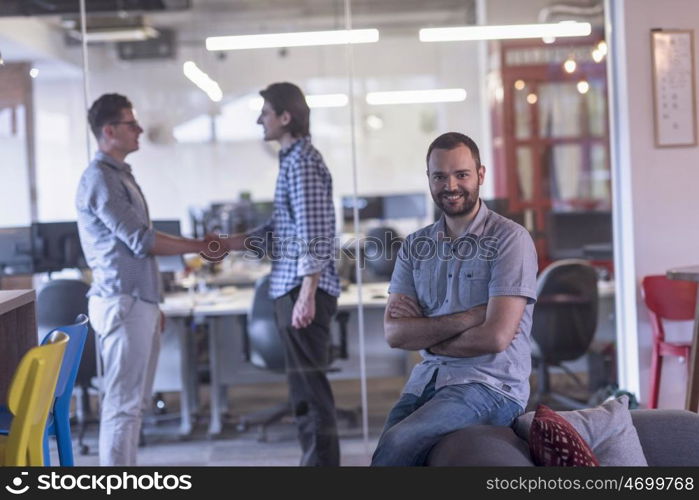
(669, 437)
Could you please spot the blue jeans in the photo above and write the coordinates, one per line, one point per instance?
(415, 424)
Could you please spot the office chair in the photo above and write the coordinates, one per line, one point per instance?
(29, 400)
(58, 424)
(564, 323)
(381, 251)
(266, 351)
(58, 303)
(672, 300)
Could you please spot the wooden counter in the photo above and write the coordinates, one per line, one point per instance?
(18, 332)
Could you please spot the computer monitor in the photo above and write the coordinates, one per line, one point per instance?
(404, 206)
(580, 235)
(231, 217)
(169, 263)
(369, 207)
(501, 206)
(169, 226)
(56, 246)
(16, 250)
(498, 205)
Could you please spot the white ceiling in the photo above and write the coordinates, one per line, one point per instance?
(209, 17)
(18, 35)
(228, 17)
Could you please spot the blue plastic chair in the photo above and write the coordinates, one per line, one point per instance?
(58, 424)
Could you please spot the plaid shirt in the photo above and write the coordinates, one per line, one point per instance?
(299, 236)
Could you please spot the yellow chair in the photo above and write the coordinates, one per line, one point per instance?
(31, 395)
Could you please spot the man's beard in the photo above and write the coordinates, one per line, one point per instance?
(464, 205)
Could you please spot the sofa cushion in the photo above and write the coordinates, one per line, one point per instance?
(553, 442)
(608, 430)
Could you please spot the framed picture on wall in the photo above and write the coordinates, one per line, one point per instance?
(674, 92)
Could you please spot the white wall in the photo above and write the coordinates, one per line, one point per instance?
(14, 208)
(663, 180)
(61, 151)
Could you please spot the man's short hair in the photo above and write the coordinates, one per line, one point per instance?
(105, 110)
(288, 97)
(452, 140)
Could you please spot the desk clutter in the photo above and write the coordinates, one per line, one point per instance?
(209, 333)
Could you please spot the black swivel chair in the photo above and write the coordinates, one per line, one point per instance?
(266, 351)
(564, 324)
(58, 303)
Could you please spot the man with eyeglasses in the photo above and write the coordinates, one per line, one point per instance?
(120, 245)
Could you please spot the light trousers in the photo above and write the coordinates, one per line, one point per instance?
(129, 334)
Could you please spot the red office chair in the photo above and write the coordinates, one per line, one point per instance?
(666, 299)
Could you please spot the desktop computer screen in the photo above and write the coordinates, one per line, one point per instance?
(405, 206)
(47, 247)
(580, 234)
(231, 217)
(169, 263)
(369, 207)
(16, 250)
(392, 206)
(56, 246)
(169, 226)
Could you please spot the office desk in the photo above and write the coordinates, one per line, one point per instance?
(241, 273)
(224, 311)
(692, 399)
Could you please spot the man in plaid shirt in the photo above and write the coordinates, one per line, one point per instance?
(304, 282)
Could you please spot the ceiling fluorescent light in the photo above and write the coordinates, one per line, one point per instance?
(134, 34)
(503, 32)
(337, 37)
(313, 101)
(203, 81)
(416, 96)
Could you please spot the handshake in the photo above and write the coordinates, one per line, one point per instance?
(216, 247)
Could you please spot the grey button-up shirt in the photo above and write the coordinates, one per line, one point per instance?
(495, 256)
(116, 232)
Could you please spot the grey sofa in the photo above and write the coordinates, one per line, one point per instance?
(668, 437)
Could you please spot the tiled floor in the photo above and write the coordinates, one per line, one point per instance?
(164, 446)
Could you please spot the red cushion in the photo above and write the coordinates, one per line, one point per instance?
(554, 442)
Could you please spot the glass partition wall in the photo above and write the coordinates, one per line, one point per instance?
(407, 92)
(202, 159)
(375, 107)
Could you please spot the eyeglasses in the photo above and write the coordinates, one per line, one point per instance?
(133, 124)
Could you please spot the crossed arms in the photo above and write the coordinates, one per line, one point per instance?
(481, 330)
